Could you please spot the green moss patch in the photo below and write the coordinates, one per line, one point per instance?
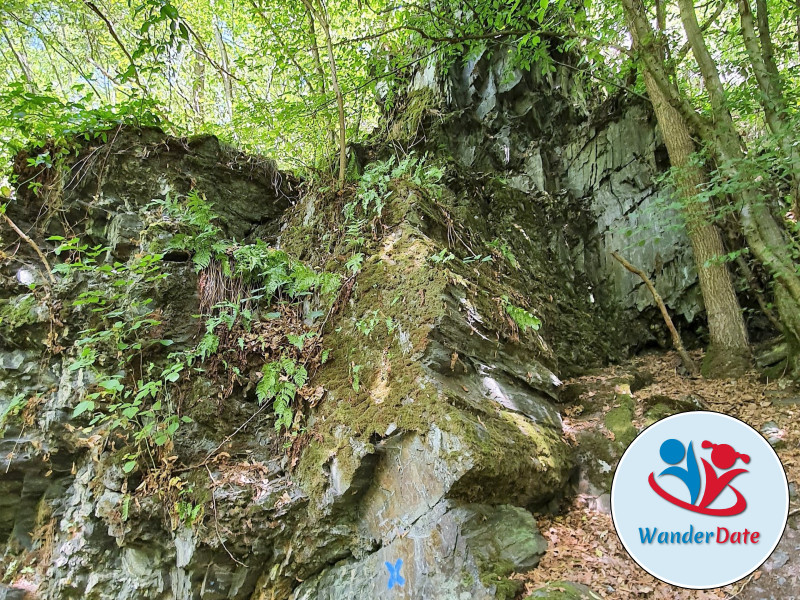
(563, 590)
(619, 421)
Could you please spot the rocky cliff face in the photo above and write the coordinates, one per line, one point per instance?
(546, 136)
(427, 436)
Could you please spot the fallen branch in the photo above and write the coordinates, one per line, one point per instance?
(741, 588)
(676, 338)
(32, 244)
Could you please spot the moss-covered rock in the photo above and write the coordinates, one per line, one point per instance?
(434, 396)
(563, 590)
(619, 420)
(597, 457)
(504, 540)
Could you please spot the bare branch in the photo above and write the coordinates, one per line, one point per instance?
(93, 7)
(676, 337)
(32, 244)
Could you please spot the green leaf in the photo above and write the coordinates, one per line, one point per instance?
(112, 385)
(82, 407)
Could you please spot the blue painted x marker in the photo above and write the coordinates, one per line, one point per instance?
(394, 573)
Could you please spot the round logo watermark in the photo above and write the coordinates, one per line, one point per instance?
(700, 500)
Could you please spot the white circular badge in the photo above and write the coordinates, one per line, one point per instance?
(699, 500)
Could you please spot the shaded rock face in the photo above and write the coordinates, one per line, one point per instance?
(437, 459)
(544, 135)
(109, 182)
(437, 436)
(64, 512)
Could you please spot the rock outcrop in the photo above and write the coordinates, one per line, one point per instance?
(432, 436)
(547, 135)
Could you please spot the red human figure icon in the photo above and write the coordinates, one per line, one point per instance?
(724, 457)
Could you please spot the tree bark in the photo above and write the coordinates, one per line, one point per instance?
(651, 57)
(764, 235)
(729, 350)
(761, 55)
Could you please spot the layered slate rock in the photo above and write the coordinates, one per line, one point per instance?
(65, 504)
(600, 160)
(437, 437)
(436, 457)
(449, 437)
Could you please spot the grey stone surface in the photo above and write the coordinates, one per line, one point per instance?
(539, 167)
(451, 497)
(546, 134)
(452, 553)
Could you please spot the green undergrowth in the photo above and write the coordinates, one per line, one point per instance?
(256, 303)
(16, 313)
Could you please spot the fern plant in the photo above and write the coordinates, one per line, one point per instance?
(197, 233)
(520, 316)
(279, 383)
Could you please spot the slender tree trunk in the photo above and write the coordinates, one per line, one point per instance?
(321, 16)
(340, 106)
(729, 350)
(199, 88)
(318, 66)
(761, 55)
(225, 64)
(764, 235)
(315, 51)
(21, 61)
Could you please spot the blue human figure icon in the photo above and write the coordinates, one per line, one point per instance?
(672, 453)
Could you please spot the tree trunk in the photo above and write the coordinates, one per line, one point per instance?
(765, 237)
(771, 98)
(729, 350)
(227, 84)
(326, 30)
(320, 69)
(21, 61)
(199, 88)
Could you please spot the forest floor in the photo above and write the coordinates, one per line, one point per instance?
(583, 545)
